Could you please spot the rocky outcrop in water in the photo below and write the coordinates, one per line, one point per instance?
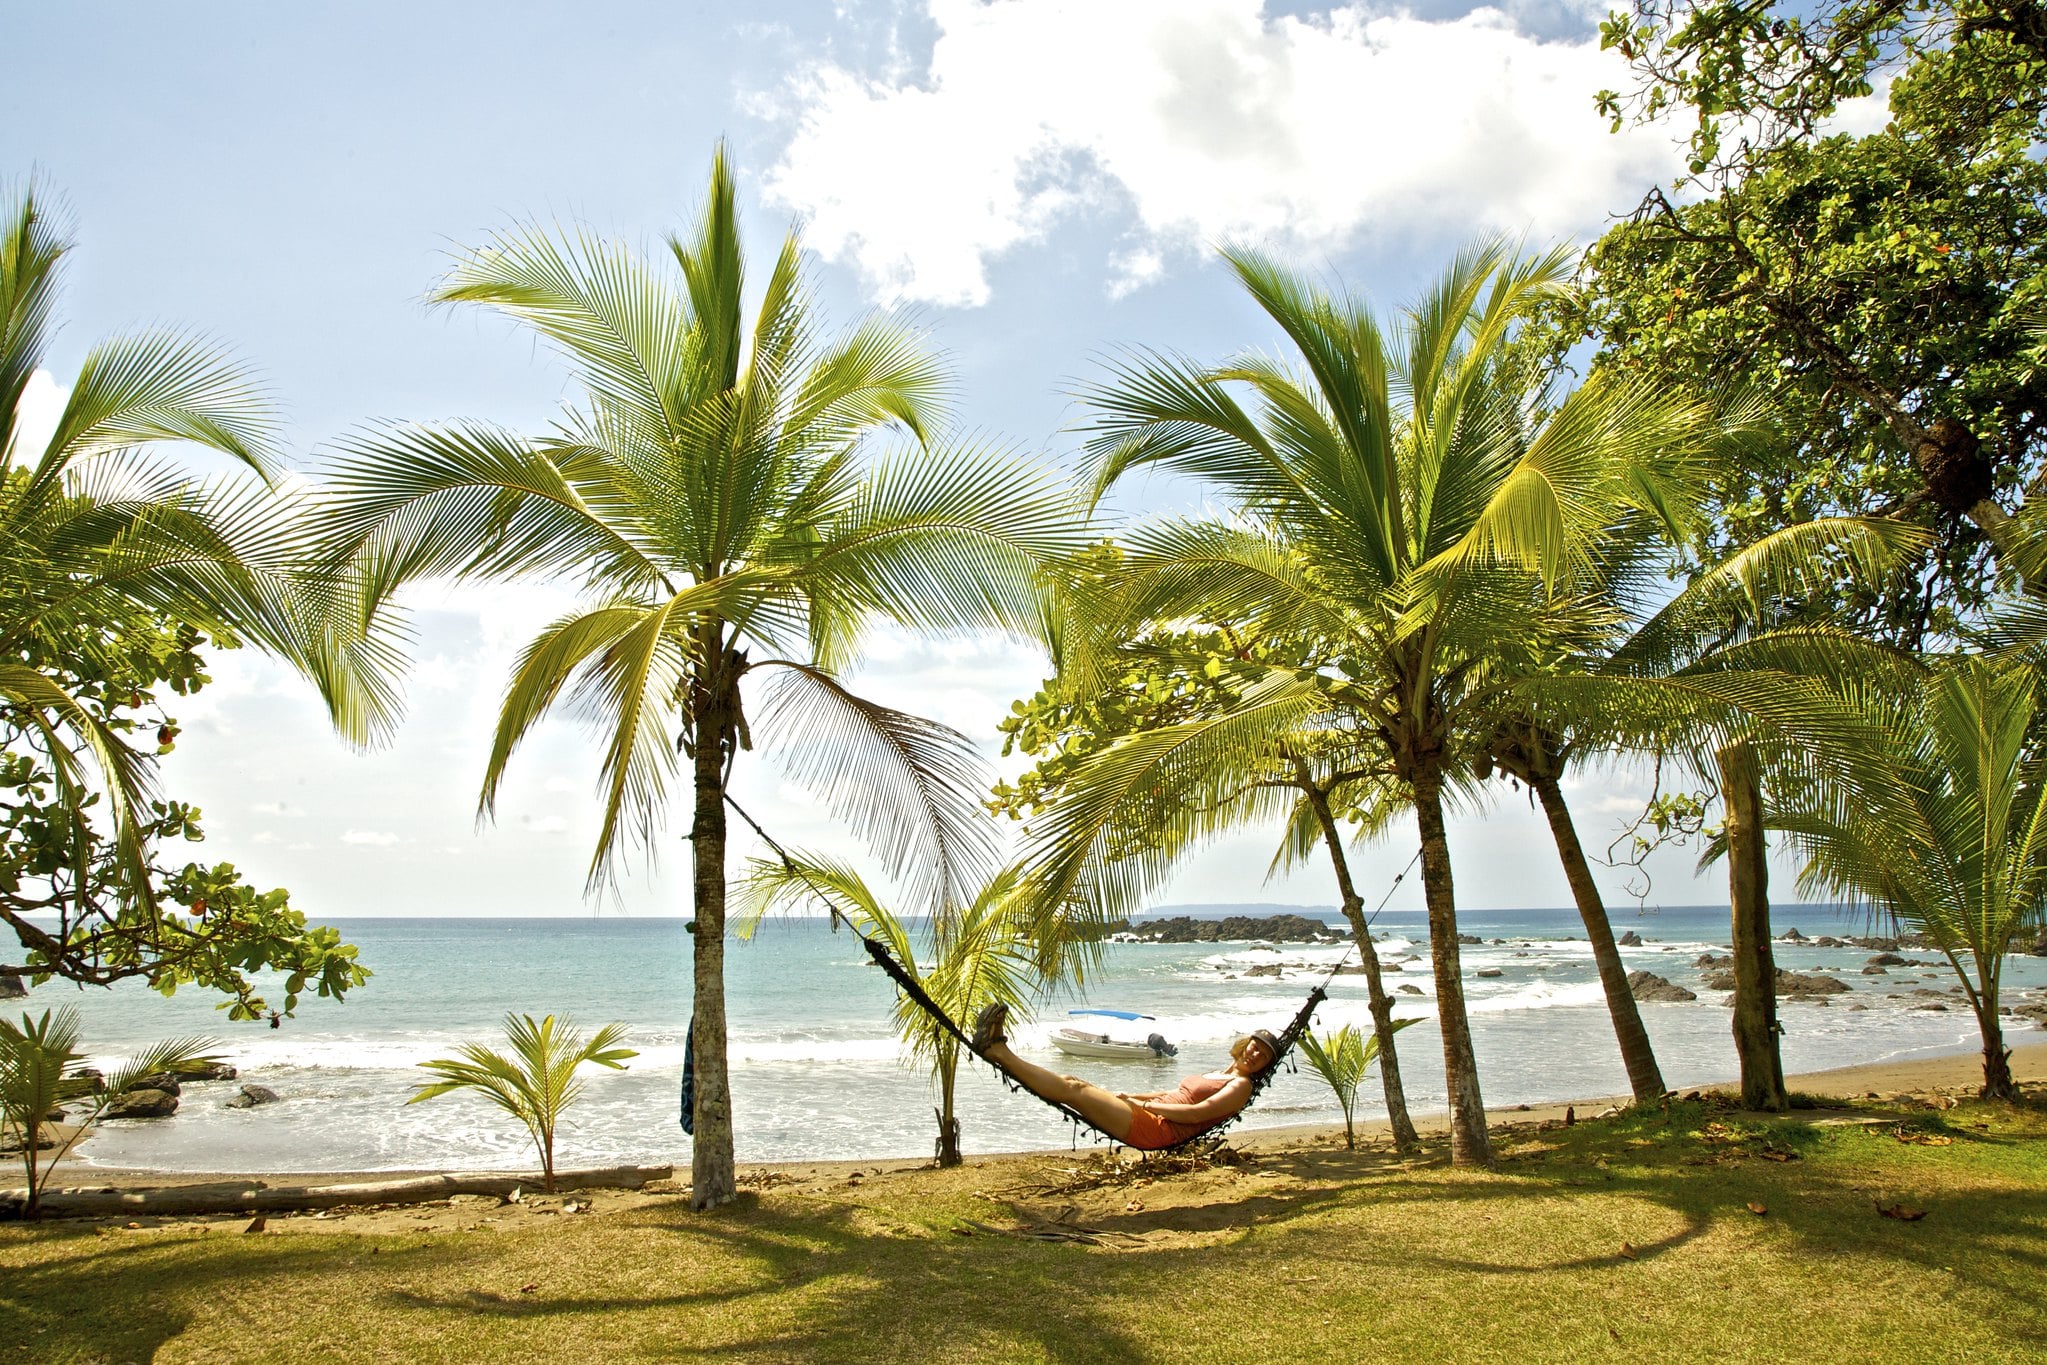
(1234, 929)
(1653, 989)
(11, 987)
(253, 1095)
(142, 1104)
(1790, 985)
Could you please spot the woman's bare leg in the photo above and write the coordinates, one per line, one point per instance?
(1106, 1111)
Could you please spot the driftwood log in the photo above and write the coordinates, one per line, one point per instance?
(242, 1196)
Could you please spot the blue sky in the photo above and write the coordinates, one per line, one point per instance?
(1037, 181)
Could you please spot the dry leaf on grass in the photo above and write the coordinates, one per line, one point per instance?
(1627, 1251)
(1757, 1209)
(1900, 1212)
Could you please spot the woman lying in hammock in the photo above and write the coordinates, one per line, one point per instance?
(1147, 1122)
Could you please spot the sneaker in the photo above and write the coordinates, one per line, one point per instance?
(988, 1026)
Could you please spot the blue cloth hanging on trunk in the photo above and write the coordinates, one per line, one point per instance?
(689, 1080)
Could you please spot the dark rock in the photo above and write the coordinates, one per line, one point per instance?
(1889, 960)
(1648, 986)
(1828, 941)
(1790, 985)
(11, 987)
(253, 1095)
(210, 1071)
(1876, 971)
(92, 1077)
(1499, 941)
(1933, 1005)
(1795, 984)
(2037, 1012)
(1234, 929)
(1406, 989)
(142, 1104)
(162, 1080)
(1469, 939)
(1791, 936)
(1263, 969)
(11, 1141)
(1490, 971)
(1630, 939)
(1713, 960)
(1858, 1005)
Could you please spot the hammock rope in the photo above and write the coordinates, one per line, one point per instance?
(911, 987)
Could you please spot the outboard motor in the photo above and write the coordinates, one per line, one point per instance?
(1160, 1047)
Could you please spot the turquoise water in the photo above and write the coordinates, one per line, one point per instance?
(817, 1072)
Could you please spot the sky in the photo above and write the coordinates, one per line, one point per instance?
(1038, 183)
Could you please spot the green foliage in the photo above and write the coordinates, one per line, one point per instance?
(1882, 291)
(115, 570)
(1757, 75)
(536, 1083)
(715, 498)
(41, 1069)
(1939, 820)
(976, 954)
(1342, 1060)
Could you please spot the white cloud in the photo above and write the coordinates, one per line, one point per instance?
(42, 403)
(371, 837)
(1203, 119)
(283, 808)
(546, 824)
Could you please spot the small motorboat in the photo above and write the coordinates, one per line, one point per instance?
(1083, 1042)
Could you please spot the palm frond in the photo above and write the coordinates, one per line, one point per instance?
(907, 786)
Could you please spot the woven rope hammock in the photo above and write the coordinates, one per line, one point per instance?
(907, 983)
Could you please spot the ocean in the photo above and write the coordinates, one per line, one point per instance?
(818, 1073)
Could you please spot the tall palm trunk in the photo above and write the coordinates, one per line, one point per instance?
(716, 716)
(1755, 968)
(948, 1125)
(1644, 1077)
(1405, 1138)
(1469, 1143)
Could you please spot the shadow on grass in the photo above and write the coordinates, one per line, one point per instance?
(882, 1271)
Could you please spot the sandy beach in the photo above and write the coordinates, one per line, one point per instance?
(1925, 1079)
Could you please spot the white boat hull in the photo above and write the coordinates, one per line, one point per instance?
(1077, 1044)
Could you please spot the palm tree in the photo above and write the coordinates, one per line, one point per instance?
(1730, 677)
(1418, 500)
(42, 1068)
(1167, 685)
(978, 954)
(708, 498)
(1946, 829)
(1341, 1059)
(115, 566)
(536, 1083)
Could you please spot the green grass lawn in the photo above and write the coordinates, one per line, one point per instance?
(1626, 1239)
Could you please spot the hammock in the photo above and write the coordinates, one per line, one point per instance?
(909, 986)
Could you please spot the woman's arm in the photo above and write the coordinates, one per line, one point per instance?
(1220, 1105)
(1151, 1095)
